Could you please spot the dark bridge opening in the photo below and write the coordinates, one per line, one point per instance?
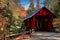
(41, 23)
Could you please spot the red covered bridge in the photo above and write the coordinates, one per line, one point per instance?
(41, 20)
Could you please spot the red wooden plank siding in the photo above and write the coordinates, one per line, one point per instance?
(33, 22)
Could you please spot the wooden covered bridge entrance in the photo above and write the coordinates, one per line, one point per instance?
(40, 20)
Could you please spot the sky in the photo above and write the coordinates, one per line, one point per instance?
(26, 3)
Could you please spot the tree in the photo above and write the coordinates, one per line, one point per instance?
(53, 6)
(31, 7)
(57, 10)
(38, 4)
(2, 24)
(18, 20)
